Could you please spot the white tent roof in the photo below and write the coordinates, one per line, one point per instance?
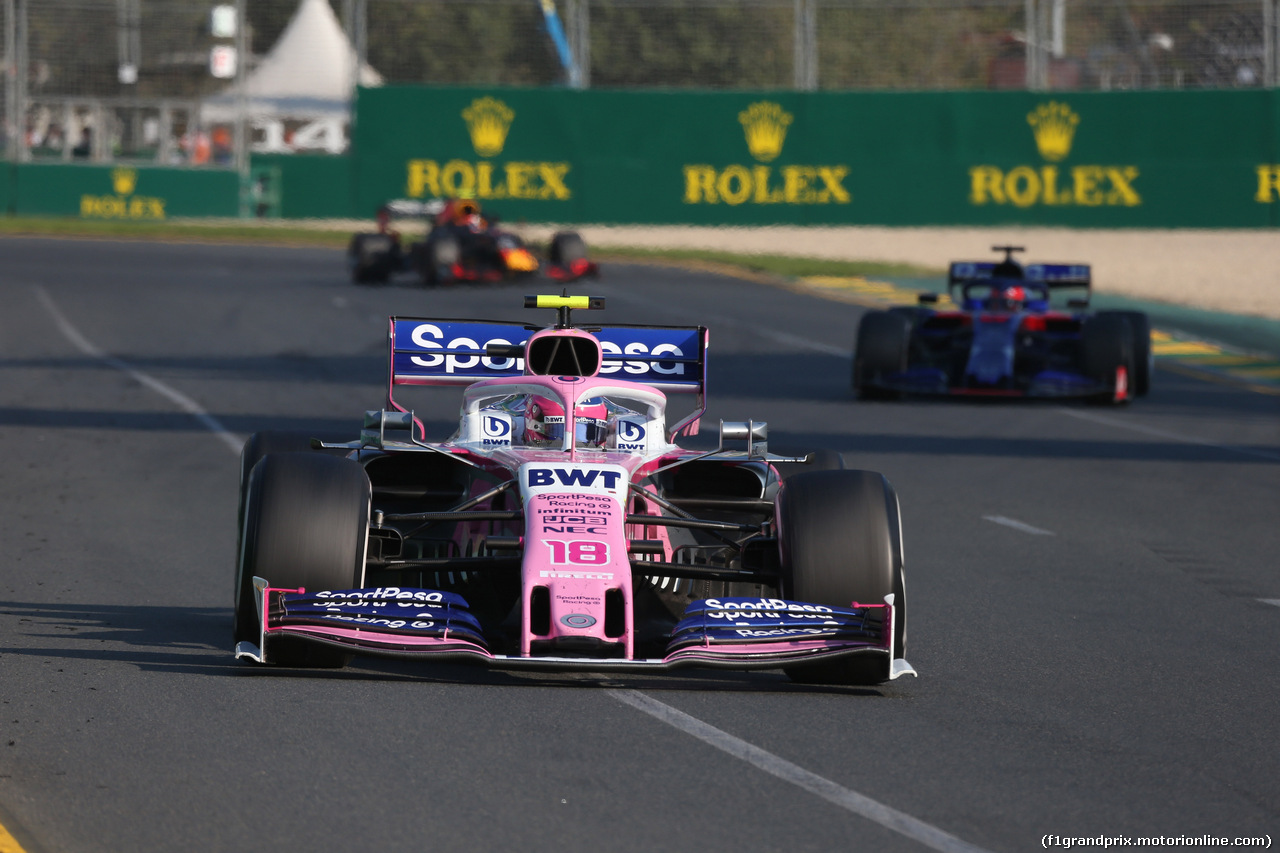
(306, 74)
(312, 59)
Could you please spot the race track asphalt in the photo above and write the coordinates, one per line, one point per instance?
(1094, 598)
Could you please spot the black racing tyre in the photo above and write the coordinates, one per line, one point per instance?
(881, 348)
(440, 254)
(306, 524)
(1106, 343)
(1143, 356)
(836, 541)
(566, 247)
(370, 264)
(260, 444)
(911, 312)
(360, 273)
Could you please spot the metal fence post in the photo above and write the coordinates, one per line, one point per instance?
(241, 133)
(1271, 68)
(805, 61)
(578, 22)
(10, 83)
(1037, 35)
(23, 67)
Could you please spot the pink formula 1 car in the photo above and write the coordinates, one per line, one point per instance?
(561, 526)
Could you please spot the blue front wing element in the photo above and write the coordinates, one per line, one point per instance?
(721, 621)
(389, 610)
(706, 623)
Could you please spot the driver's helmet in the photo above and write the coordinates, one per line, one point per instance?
(544, 422)
(1010, 297)
(466, 212)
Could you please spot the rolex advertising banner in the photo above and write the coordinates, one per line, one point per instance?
(122, 193)
(1099, 159)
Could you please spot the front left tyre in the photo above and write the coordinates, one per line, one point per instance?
(839, 540)
(1107, 354)
(1143, 354)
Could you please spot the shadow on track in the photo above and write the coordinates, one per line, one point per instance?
(1030, 448)
(197, 640)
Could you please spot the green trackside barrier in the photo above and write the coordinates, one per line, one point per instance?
(280, 186)
(137, 193)
(1096, 159)
(6, 186)
(309, 185)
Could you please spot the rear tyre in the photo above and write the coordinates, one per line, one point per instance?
(306, 522)
(440, 254)
(836, 539)
(369, 259)
(1106, 345)
(880, 351)
(1143, 356)
(360, 271)
(566, 247)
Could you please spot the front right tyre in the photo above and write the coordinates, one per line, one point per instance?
(881, 350)
(305, 524)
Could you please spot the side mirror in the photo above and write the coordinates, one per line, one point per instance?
(927, 299)
(754, 433)
(377, 422)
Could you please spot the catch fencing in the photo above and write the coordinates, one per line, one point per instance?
(129, 80)
(838, 45)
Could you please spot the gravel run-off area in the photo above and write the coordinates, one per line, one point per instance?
(1233, 271)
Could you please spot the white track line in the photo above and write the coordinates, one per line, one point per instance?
(1017, 525)
(182, 401)
(1275, 601)
(1171, 436)
(852, 801)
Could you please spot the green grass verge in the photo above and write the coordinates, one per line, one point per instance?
(278, 234)
(177, 231)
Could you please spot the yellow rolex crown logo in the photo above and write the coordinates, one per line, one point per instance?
(488, 120)
(1054, 125)
(124, 180)
(765, 124)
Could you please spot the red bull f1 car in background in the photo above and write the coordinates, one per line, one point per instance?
(561, 526)
(461, 245)
(1003, 338)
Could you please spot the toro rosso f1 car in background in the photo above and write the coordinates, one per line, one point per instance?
(561, 526)
(1004, 339)
(461, 245)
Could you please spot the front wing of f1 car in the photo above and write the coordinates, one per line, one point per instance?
(732, 633)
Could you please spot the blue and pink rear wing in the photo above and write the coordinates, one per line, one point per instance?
(1051, 275)
(453, 352)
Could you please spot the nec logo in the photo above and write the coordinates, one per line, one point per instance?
(581, 477)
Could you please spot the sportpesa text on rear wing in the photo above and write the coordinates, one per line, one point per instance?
(453, 352)
(1051, 275)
